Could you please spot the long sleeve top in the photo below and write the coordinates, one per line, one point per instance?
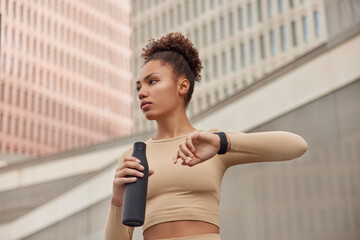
(176, 192)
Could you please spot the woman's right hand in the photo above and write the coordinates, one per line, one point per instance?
(131, 166)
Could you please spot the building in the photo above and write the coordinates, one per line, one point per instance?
(65, 74)
(66, 195)
(239, 42)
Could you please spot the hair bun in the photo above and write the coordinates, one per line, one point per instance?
(176, 42)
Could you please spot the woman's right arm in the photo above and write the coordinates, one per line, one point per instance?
(114, 229)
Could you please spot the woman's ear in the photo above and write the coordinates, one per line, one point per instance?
(183, 86)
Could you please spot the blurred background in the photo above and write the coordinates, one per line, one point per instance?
(68, 109)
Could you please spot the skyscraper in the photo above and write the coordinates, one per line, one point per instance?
(65, 73)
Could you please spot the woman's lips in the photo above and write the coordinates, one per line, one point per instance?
(145, 106)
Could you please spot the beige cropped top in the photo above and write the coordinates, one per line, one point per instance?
(177, 192)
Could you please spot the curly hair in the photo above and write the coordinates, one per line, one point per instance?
(179, 52)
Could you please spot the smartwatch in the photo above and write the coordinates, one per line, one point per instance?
(223, 142)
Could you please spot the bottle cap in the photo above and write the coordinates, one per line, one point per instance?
(140, 146)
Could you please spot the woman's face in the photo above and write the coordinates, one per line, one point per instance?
(158, 92)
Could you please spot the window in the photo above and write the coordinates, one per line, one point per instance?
(4, 35)
(355, 9)
(14, 10)
(1, 122)
(195, 8)
(291, 3)
(222, 27)
(16, 126)
(283, 38)
(39, 133)
(12, 38)
(149, 29)
(136, 40)
(224, 63)
(270, 9)
(243, 55)
(203, 6)
(272, 43)
(24, 135)
(259, 10)
(206, 69)
(179, 14)
(293, 33)
(204, 30)
(240, 19)
(142, 32)
(164, 19)
(200, 103)
(341, 9)
(32, 134)
(21, 13)
(3, 62)
(281, 6)
(262, 47)
(19, 68)
(215, 67)
(317, 24)
(10, 95)
(25, 101)
(172, 18)
(2, 92)
(6, 8)
(187, 10)
(231, 23)
(305, 29)
(9, 125)
(157, 24)
(226, 91)
(212, 3)
(250, 15)
(27, 44)
(196, 38)
(252, 51)
(208, 99)
(213, 31)
(233, 59)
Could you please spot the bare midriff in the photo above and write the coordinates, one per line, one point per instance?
(176, 229)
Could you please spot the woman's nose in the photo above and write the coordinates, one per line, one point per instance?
(142, 93)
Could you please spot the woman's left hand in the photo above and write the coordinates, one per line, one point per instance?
(197, 147)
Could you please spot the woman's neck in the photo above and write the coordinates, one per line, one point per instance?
(172, 126)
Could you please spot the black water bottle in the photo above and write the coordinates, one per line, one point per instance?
(135, 193)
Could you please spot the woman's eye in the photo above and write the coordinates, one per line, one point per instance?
(152, 81)
(138, 89)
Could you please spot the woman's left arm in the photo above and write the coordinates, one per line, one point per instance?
(242, 147)
(263, 147)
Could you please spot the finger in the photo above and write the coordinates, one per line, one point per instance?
(185, 150)
(128, 172)
(183, 157)
(120, 181)
(190, 145)
(194, 162)
(131, 158)
(176, 157)
(131, 164)
(127, 159)
(151, 172)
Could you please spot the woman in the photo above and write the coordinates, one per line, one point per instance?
(183, 199)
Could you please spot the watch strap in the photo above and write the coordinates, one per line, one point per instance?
(223, 142)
